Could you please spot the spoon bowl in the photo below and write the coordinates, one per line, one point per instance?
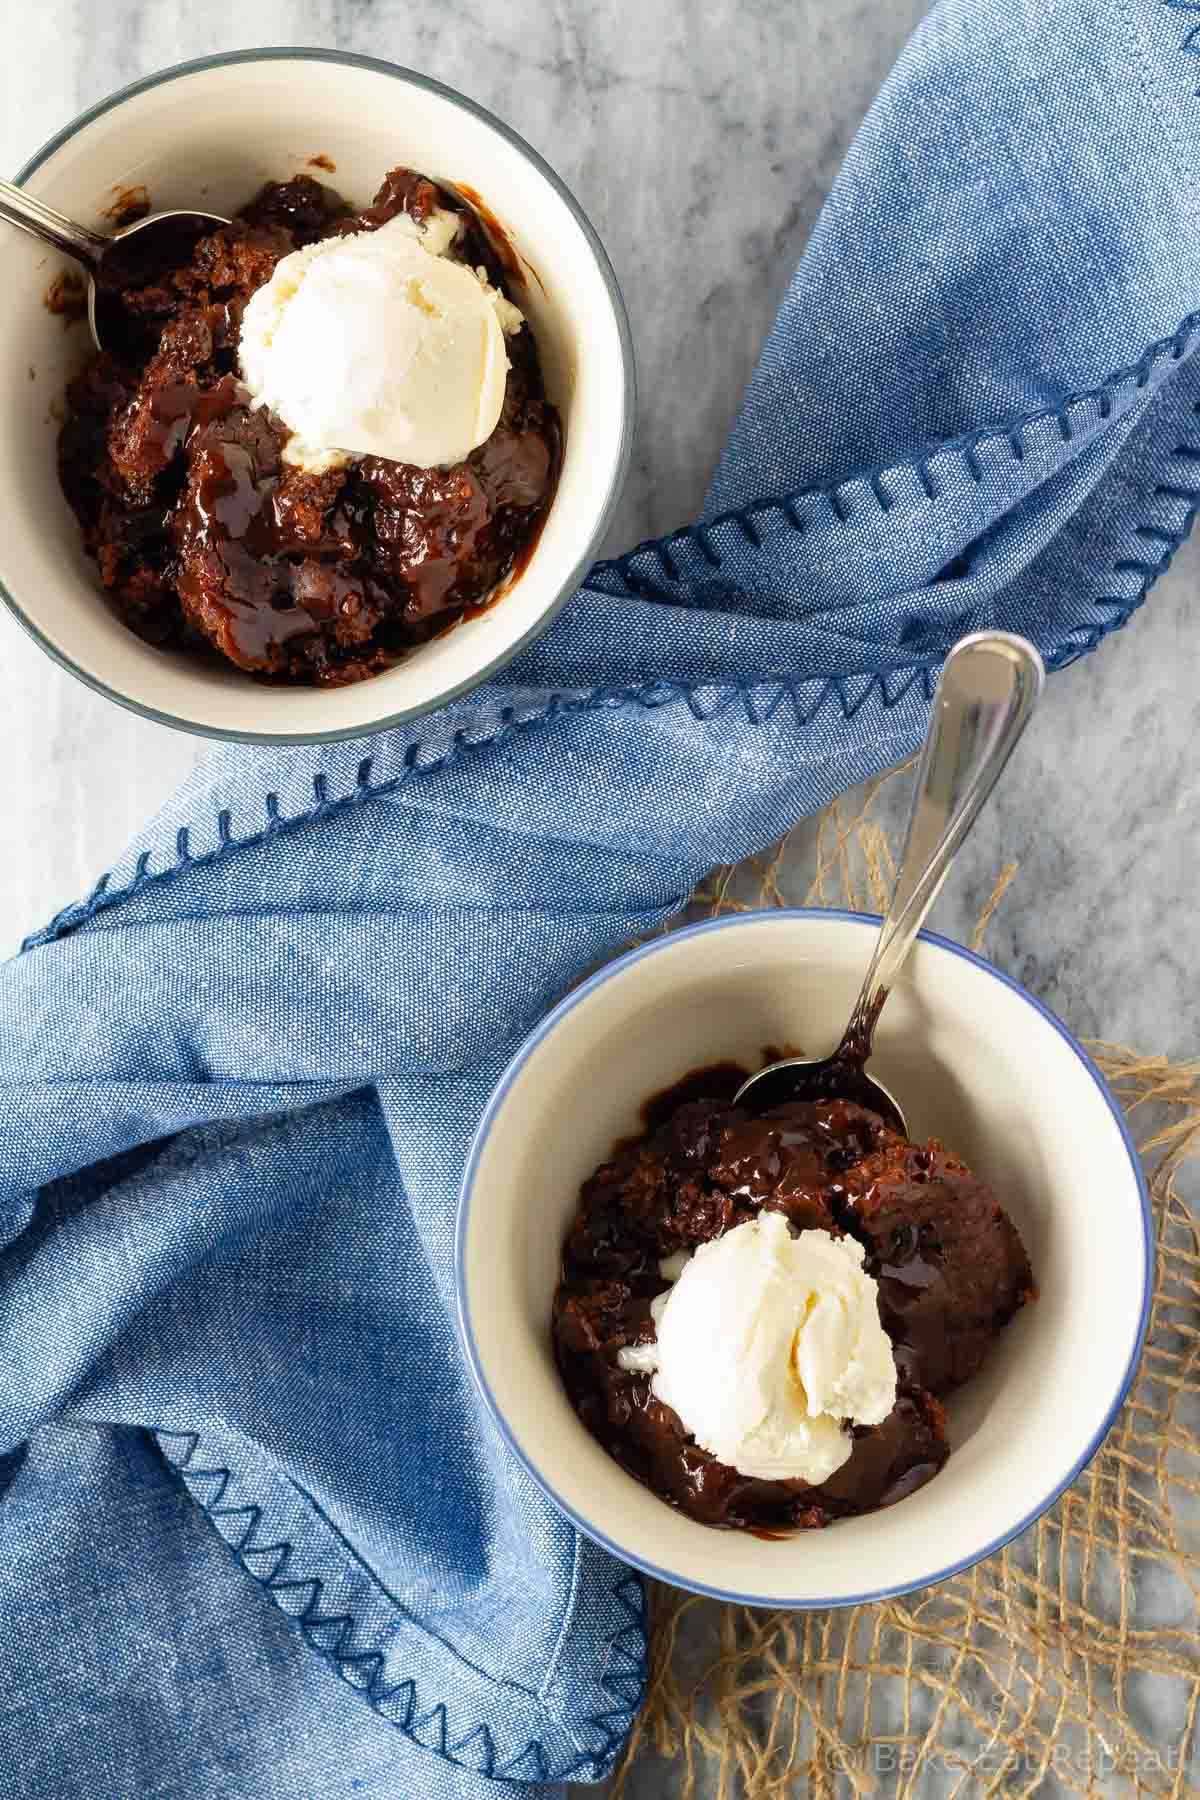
(820, 1078)
(115, 261)
(161, 241)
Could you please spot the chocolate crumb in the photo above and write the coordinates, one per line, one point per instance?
(66, 297)
(129, 205)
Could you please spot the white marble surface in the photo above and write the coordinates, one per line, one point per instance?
(702, 143)
(701, 139)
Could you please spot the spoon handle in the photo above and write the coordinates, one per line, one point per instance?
(54, 228)
(989, 686)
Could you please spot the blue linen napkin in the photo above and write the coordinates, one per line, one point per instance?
(241, 1078)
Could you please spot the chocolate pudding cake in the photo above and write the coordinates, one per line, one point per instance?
(947, 1265)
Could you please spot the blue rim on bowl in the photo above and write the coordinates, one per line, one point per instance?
(286, 53)
(783, 1601)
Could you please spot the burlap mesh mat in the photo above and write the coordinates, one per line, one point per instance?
(1067, 1663)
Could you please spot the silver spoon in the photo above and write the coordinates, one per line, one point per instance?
(111, 262)
(987, 692)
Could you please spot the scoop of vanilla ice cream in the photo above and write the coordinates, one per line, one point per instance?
(378, 344)
(768, 1346)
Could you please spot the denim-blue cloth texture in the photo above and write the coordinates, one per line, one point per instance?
(257, 1535)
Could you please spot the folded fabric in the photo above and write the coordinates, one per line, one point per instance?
(240, 1080)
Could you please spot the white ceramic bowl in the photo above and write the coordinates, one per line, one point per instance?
(208, 134)
(974, 1060)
